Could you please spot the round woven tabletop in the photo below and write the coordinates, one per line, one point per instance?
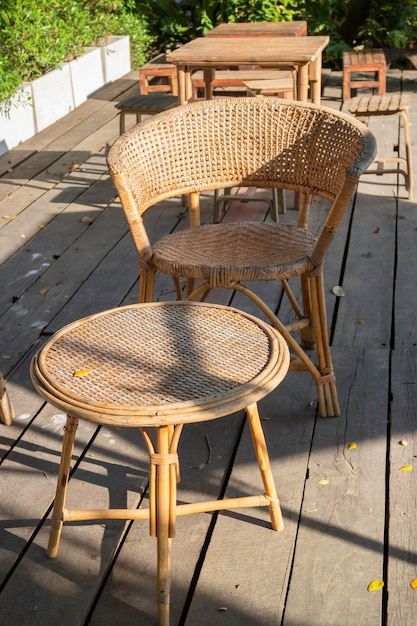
(160, 363)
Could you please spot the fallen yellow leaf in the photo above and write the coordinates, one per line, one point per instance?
(406, 468)
(352, 446)
(375, 585)
(6, 356)
(9, 217)
(42, 292)
(402, 442)
(413, 583)
(79, 373)
(323, 482)
(41, 226)
(361, 321)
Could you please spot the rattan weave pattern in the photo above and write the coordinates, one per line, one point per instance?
(155, 355)
(162, 159)
(226, 253)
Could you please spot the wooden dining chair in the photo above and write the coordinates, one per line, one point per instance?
(252, 142)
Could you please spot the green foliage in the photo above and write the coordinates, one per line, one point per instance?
(177, 21)
(37, 35)
(391, 24)
(374, 23)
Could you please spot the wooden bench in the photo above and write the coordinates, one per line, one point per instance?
(282, 87)
(149, 104)
(157, 75)
(237, 78)
(389, 104)
(367, 61)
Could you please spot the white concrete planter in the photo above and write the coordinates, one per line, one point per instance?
(87, 75)
(52, 96)
(116, 58)
(18, 124)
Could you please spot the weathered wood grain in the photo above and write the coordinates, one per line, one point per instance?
(402, 534)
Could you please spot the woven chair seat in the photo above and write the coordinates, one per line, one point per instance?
(227, 253)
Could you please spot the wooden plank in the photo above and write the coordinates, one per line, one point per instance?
(364, 314)
(406, 277)
(28, 481)
(340, 543)
(111, 281)
(112, 473)
(23, 322)
(402, 554)
(68, 128)
(248, 565)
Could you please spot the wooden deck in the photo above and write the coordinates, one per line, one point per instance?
(66, 252)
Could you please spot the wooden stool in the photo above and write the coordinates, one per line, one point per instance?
(372, 60)
(158, 68)
(161, 365)
(144, 105)
(390, 104)
(6, 409)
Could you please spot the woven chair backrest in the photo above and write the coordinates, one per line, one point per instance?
(225, 142)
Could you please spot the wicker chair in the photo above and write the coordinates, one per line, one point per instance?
(259, 142)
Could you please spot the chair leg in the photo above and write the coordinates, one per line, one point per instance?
(326, 385)
(262, 456)
(164, 474)
(61, 488)
(323, 374)
(407, 141)
(163, 526)
(6, 409)
(146, 285)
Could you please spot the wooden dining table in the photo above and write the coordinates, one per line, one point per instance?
(209, 53)
(259, 29)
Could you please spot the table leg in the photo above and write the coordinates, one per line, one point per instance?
(182, 85)
(303, 82)
(209, 74)
(315, 79)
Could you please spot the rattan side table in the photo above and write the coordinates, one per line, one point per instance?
(161, 365)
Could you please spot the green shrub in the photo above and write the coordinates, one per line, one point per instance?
(37, 35)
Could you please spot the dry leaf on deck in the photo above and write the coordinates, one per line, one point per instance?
(42, 292)
(406, 468)
(402, 443)
(323, 482)
(352, 446)
(375, 585)
(413, 583)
